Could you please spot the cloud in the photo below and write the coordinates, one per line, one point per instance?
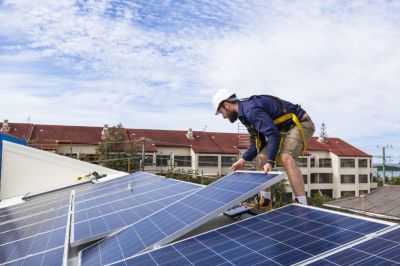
(156, 64)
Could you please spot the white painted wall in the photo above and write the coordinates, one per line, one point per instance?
(26, 169)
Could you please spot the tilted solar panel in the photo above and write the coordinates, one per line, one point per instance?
(125, 208)
(179, 218)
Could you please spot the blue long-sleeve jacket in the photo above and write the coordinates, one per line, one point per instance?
(257, 113)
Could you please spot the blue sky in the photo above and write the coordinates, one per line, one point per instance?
(156, 64)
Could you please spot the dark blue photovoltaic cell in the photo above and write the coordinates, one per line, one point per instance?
(284, 236)
(35, 244)
(48, 258)
(14, 234)
(170, 222)
(105, 224)
(384, 249)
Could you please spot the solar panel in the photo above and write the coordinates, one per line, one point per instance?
(382, 249)
(57, 201)
(178, 218)
(124, 208)
(49, 257)
(284, 236)
(25, 244)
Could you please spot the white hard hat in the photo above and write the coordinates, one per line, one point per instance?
(220, 96)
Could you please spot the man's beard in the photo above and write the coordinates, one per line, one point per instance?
(232, 116)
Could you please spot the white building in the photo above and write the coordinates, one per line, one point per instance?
(331, 166)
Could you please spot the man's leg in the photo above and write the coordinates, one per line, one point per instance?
(295, 177)
(291, 148)
(265, 195)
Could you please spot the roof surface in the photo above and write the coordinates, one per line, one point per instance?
(383, 201)
(202, 142)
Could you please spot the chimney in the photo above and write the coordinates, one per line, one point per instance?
(105, 133)
(5, 127)
(189, 134)
(322, 136)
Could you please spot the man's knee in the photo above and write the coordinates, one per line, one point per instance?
(287, 159)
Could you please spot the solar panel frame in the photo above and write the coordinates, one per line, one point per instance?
(146, 258)
(278, 176)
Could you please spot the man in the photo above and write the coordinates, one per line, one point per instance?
(267, 118)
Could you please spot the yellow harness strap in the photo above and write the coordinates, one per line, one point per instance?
(296, 120)
(282, 119)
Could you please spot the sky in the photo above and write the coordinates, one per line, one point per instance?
(156, 64)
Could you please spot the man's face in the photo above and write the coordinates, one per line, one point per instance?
(227, 112)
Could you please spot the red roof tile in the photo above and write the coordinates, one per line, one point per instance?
(336, 146)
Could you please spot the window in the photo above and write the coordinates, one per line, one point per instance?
(208, 160)
(325, 192)
(347, 179)
(325, 178)
(183, 161)
(312, 162)
(228, 160)
(363, 163)
(346, 194)
(148, 160)
(314, 178)
(302, 162)
(347, 163)
(363, 192)
(162, 160)
(305, 179)
(363, 178)
(326, 162)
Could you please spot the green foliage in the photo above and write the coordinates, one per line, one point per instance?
(280, 197)
(318, 200)
(116, 152)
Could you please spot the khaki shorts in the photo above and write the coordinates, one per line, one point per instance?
(293, 143)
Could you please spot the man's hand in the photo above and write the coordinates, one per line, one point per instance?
(239, 165)
(267, 167)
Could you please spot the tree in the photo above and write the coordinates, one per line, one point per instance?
(280, 197)
(116, 152)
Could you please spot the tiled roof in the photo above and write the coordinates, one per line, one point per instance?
(336, 146)
(202, 142)
(383, 201)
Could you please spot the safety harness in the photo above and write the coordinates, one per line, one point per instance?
(284, 118)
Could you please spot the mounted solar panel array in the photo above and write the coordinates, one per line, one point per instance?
(97, 218)
(178, 218)
(382, 249)
(38, 230)
(60, 199)
(285, 236)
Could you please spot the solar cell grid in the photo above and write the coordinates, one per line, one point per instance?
(269, 239)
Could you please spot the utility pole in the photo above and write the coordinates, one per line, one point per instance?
(143, 140)
(384, 157)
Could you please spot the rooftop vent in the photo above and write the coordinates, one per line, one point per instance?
(189, 134)
(5, 127)
(105, 132)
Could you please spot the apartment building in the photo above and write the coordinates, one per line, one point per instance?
(330, 166)
(336, 169)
